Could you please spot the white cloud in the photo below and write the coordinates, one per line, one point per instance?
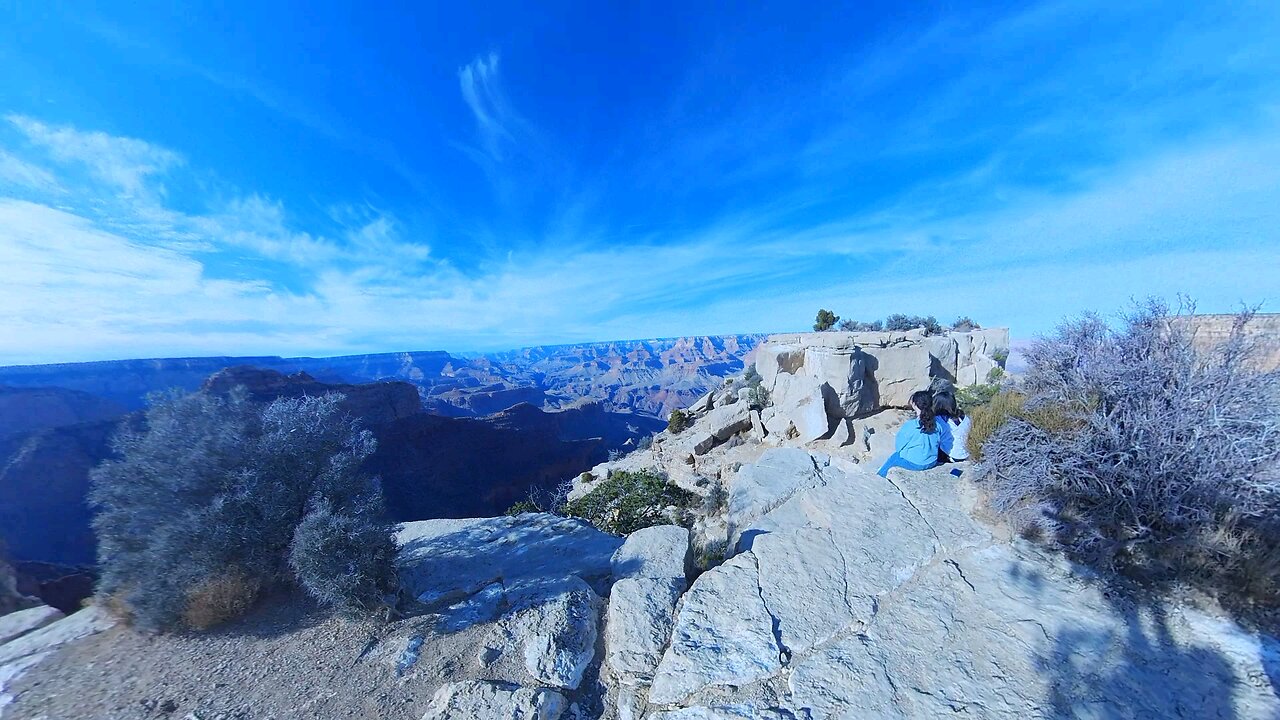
(25, 175)
(483, 94)
(126, 164)
(1199, 221)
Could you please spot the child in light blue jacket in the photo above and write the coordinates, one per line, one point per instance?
(918, 440)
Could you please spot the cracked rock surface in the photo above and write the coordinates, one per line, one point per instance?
(856, 597)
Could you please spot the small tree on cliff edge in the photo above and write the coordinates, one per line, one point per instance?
(217, 497)
(825, 320)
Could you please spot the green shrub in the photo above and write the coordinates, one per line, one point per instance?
(677, 422)
(1135, 450)
(757, 395)
(995, 375)
(521, 507)
(1001, 356)
(898, 323)
(975, 396)
(965, 324)
(859, 326)
(628, 501)
(825, 320)
(210, 483)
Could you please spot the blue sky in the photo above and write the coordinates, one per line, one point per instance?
(321, 179)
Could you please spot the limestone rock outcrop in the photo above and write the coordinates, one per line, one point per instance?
(649, 573)
(856, 596)
(861, 372)
(16, 624)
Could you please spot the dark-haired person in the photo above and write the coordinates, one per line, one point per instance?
(953, 425)
(917, 440)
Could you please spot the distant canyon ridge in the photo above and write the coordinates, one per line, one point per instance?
(457, 437)
(645, 377)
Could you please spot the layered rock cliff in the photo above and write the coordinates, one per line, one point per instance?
(647, 377)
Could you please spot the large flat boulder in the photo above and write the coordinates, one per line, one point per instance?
(899, 370)
(555, 625)
(444, 561)
(723, 635)
(661, 551)
(864, 597)
(22, 653)
(640, 618)
(758, 488)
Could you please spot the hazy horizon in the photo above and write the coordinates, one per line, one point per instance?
(316, 181)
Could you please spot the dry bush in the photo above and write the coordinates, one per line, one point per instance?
(1133, 450)
(989, 417)
(220, 598)
(206, 482)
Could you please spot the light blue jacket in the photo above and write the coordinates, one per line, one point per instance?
(915, 445)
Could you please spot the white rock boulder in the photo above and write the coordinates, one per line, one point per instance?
(494, 701)
(21, 622)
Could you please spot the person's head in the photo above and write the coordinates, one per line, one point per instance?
(922, 402)
(944, 406)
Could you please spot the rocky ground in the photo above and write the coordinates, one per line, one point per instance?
(842, 595)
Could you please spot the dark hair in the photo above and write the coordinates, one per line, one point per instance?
(922, 400)
(944, 406)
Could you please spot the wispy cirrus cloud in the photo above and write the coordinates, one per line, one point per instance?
(482, 91)
(23, 174)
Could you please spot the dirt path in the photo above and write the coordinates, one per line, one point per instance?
(285, 660)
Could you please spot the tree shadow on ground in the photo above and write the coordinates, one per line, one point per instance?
(1145, 661)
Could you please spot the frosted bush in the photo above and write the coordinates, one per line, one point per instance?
(1137, 451)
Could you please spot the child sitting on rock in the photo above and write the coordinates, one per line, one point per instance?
(953, 426)
(918, 439)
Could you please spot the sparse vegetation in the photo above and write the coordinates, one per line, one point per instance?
(219, 598)
(1001, 356)
(825, 320)
(521, 507)
(899, 322)
(1135, 451)
(627, 501)
(859, 326)
(995, 375)
(709, 554)
(757, 396)
(552, 499)
(214, 498)
(644, 443)
(677, 422)
(975, 396)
